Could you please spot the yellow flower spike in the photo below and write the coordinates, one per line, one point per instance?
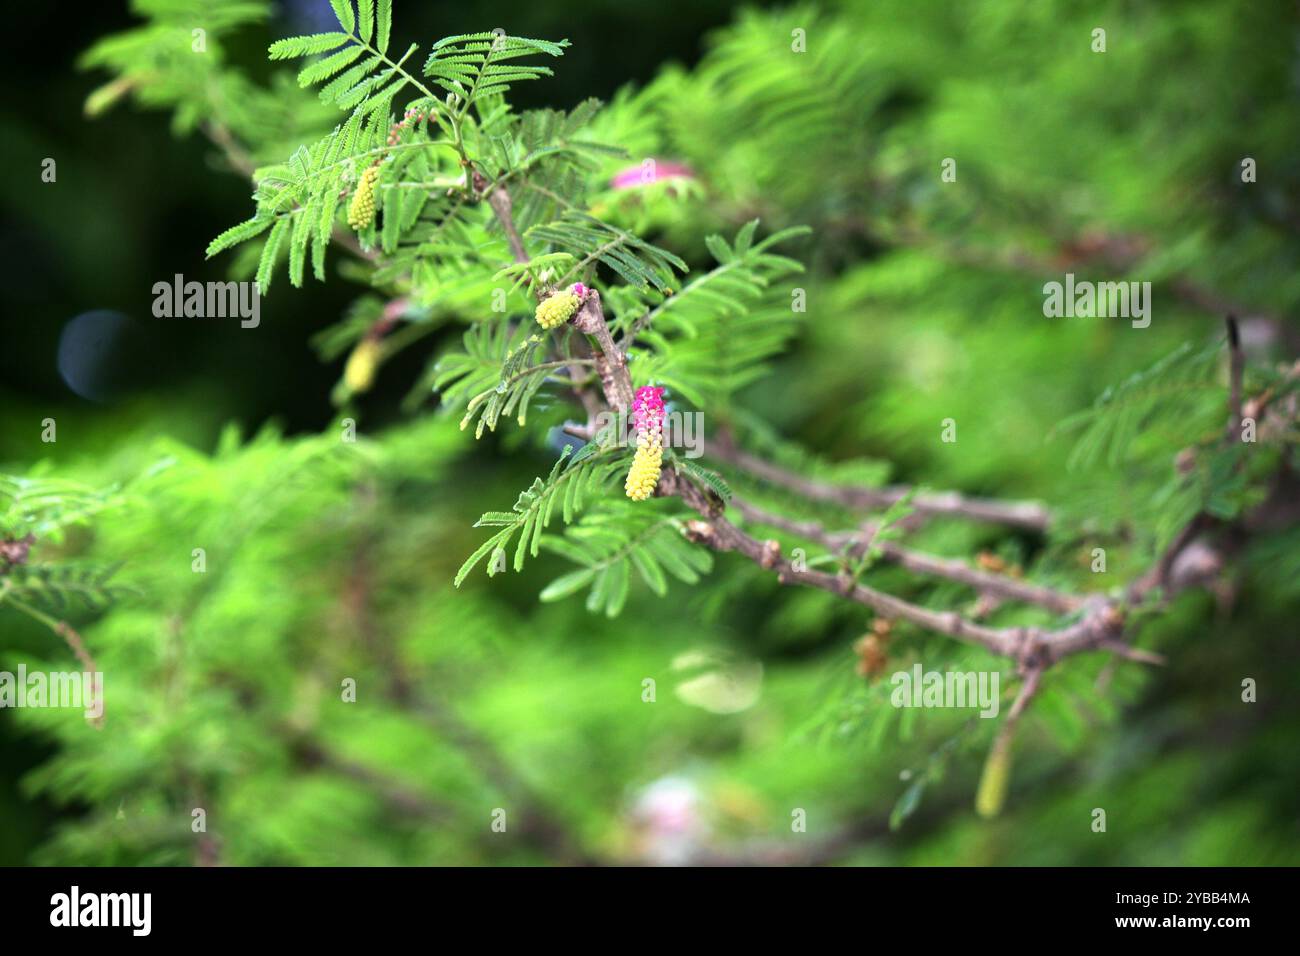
(556, 310)
(992, 792)
(359, 372)
(643, 476)
(361, 212)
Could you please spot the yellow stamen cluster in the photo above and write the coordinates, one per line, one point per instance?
(643, 476)
(556, 310)
(361, 212)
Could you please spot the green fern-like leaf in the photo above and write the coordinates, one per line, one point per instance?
(609, 543)
(474, 66)
(300, 200)
(497, 374)
(704, 477)
(743, 271)
(565, 488)
(631, 258)
(716, 336)
(43, 507)
(355, 62)
(1174, 388)
(62, 587)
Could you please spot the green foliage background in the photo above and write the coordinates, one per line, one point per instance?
(328, 560)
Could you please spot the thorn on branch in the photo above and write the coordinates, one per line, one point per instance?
(1120, 649)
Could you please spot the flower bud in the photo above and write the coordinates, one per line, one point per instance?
(361, 212)
(556, 310)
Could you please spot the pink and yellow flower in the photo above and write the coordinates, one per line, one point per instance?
(647, 463)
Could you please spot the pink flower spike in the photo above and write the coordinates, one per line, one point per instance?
(579, 290)
(648, 407)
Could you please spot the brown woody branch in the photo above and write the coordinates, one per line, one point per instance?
(498, 197)
(1100, 625)
(1029, 646)
(1030, 515)
(611, 363)
(398, 795)
(1188, 560)
(857, 543)
(1100, 628)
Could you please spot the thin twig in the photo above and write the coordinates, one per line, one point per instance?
(611, 363)
(1026, 693)
(401, 797)
(917, 562)
(1024, 644)
(498, 197)
(1030, 515)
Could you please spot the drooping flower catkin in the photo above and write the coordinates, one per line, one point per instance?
(992, 792)
(557, 309)
(648, 415)
(361, 212)
(359, 372)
